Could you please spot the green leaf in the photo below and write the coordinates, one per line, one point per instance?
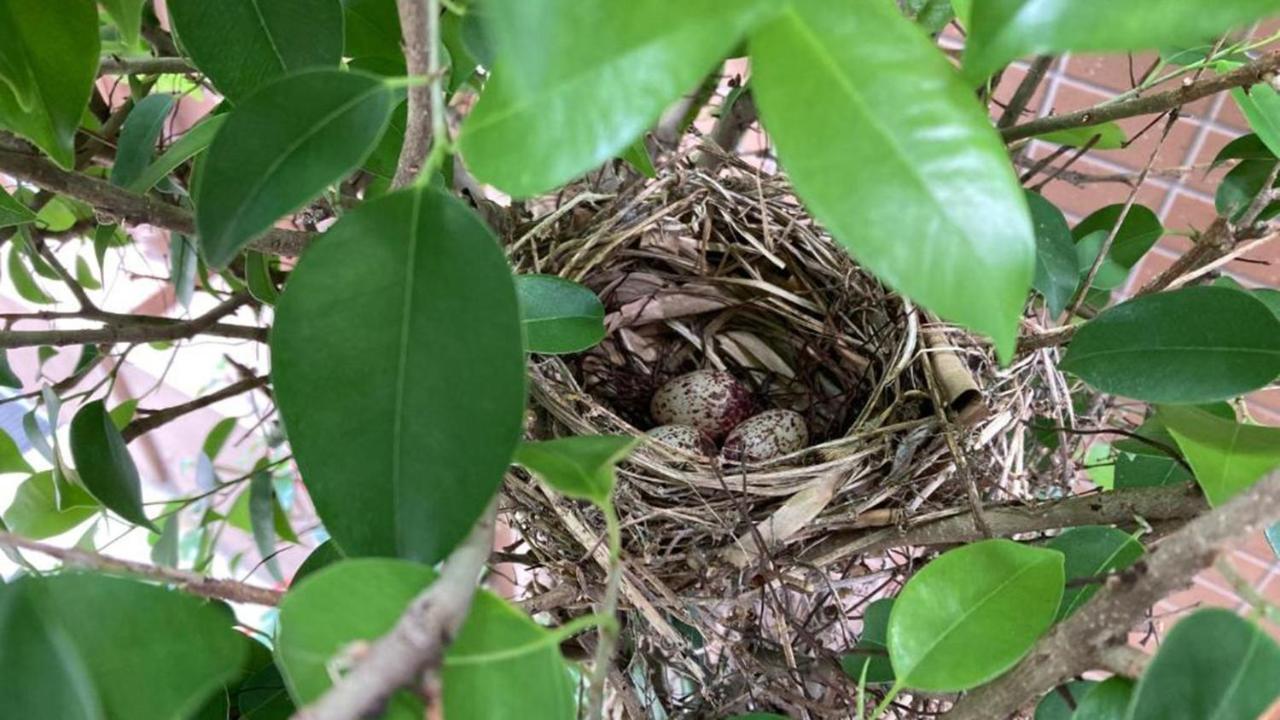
(580, 467)
(1245, 147)
(972, 613)
(22, 279)
(7, 377)
(11, 460)
(165, 551)
(1056, 275)
(192, 143)
(84, 275)
(1193, 345)
(1227, 456)
(1213, 664)
(217, 437)
(901, 162)
(257, 271)
(13, 212)
(48, 62)
(280, 148)
(271, 39)
(1241, 185)
(1137, 234)
(1108, 700)
(262, 506)
(501, 665)
(1090, 552)
(576, 82)
(137, 144)
(105, 465)
(1260, 105)
(1139, 470)
(180, 648)
(34, 512)
(411, 303)
(1001, 30)
(41, 674)
(637, 156)
(559, 315)
(871, 650)
(372, 29)
(127, 15)
(325, 554)
(1110, 136)
(1055, 706)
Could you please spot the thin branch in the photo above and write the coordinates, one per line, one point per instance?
(1077, 643)
(190, 582)
(1026, 89)
(1255, 72)
(956, 526)
(414, 27)
(20, 162)
(157, 418)
(113, 65)
(417, 643)
(136, 328)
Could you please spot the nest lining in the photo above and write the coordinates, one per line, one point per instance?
(728, 271)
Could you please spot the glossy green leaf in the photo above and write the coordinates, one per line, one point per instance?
(1062, 701)
(1227, 456)
(23, 281)
(372, 29)
(84, 275)
(1056, 273)
(1260, 105)
(1089, 552)
(1108, 700)
(1137, 234)
(105, 465)
(11, 460)
(8, 378)
(192, 143)
(34, 511)
(1139, 470)
(411, 303)
(271, 39)
(280, 148)
(871, 650)
(972, 613)
(137, 145)
(257, 270)
(1245, 147)
(580, 467)
(181, 649)
(559, 315)
(127, 15)
(48, 62)
(501, 665)
(637, 156)
(325, 554)
(13, 212)
(1213, 664)
(1241, 185)
(901, 162)
(576, 82)
(1002, 30)
(217, 437)
(262, 505)
(41, 674)
(1193, 345)
(1110, 137)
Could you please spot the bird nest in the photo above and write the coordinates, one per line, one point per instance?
(744, 584)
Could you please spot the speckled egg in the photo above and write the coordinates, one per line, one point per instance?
(685, 438)
(770, 434)
(710, 400)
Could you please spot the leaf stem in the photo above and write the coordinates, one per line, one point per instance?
(608, 633)
(888, 698)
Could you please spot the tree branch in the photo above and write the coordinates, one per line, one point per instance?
(417, 643)
(1078, 642)
(1255, 72)
(190, 582)
(1153, 504)
(24, 164)
(414, 20)
(113, 65)
(1027, 88)
(144, 425)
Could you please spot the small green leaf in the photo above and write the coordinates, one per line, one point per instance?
(1140, 470)
(411, 303)
(217, 437)
(1241, 185)
(1260, 105)
(165, 551)
(1001, 30)
(1055, 705)
(1091, 552)
(325, 554)
(192, 143)
(1056, 273)
(271, 39)
(575, 82)
(8, 378)
(1193, 345)
(22, 279)
(262, 506)
(872, 650)
(48, 62)
(972, 613)
(280, 148)
(137, 144)
(1108, 700)
(1227, 456)
(84, 275)
(1213, 664)
(11, 460)
(1245, 147)
(127, 15)
(502, 664)
(1110, 137)
(122, 414)
(637, 156)
(104, 464)
(34, 512)
(580, 467)
(13, 212)
(559, 315)
(257, 270)
(901, 163)
(1137, 234)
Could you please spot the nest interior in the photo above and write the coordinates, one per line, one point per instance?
(737, 576)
